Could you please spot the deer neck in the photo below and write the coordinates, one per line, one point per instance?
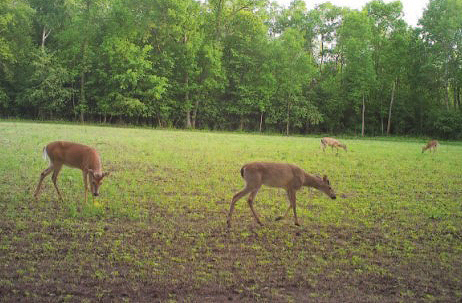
(94, 163)
(312, 181)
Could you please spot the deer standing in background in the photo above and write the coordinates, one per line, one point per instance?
(332, 143)
(287, 176)
(73, 155)
(431, 145)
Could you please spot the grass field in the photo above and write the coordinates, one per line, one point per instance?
(158, 230)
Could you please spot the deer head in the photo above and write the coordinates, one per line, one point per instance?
(324, 186)
(96, 179)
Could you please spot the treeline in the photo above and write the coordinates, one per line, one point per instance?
(234, 64)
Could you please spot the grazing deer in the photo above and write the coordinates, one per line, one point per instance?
(332, 143)
(287, 176)
(73, 155)
(431, 145)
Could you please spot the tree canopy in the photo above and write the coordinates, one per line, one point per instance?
(235, 64)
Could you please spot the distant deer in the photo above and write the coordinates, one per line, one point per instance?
(73, 155)
(431, 145)
(332, 143)
(287, 176)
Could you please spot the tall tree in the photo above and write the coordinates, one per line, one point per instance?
(79, 42)
(50, 17)
(441, 29)
(47, 93)
(293, 68)
(390, 44)
(177, 40)
(16, 52)
(358, 76)
(327, 19)
(245, 53)
(123, 80)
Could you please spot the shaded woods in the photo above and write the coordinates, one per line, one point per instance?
(236, 64)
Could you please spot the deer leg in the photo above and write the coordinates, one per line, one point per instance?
(44, 173)
(285, 214)
(250, 202)
(85, 183)
(292, 198)
(56, 171)
(236, 197)
(288, 209)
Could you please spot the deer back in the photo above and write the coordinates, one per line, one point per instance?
(273, 174)
(74, 155)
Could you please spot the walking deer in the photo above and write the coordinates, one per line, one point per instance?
(431, 145)
(73, 155)
(332, 143)
(287, 176)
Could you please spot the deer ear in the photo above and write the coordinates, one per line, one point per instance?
(106, 174)
(90, 171)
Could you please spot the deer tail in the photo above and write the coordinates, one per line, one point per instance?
(242, 171)
(45, 154)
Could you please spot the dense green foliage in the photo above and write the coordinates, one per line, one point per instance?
(234, 64)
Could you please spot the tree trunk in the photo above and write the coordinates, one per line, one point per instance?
(322, 55)
(456, 91)
(73, 101)
(186, 100)
(458, 97)
(82, 95)
(194, 115)
(288, 116)
(391, 105)
(446, 96)
(381, 116)
(188, 119)
(83, 101)
(446, 88)
(261, 120)
(219, 12)
(186, 96)
(45, 35)
(364, 110)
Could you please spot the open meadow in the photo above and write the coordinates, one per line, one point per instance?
(157, 232)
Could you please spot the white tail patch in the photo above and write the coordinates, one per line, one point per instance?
(45, 155)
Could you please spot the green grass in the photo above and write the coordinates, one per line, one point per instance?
(158, 230)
